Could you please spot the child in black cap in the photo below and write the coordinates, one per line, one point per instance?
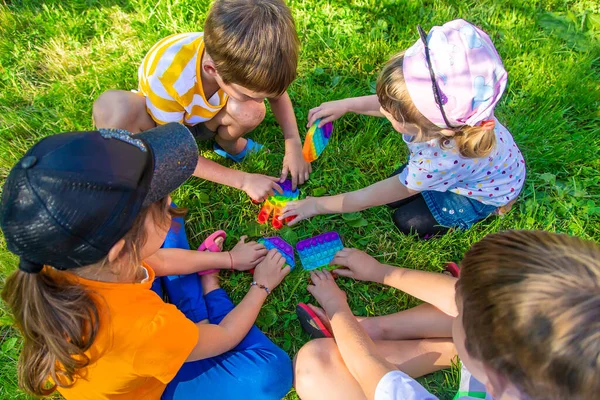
(87, 213)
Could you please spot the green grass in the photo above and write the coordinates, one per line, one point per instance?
(56, 57)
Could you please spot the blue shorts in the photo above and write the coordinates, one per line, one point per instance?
(453, 210)
(256, 368)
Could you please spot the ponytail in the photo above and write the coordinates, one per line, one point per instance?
(473, 141)
(59, 322)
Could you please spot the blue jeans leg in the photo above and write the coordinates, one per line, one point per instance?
(255, 369)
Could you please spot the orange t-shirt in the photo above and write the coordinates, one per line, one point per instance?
(141, 344)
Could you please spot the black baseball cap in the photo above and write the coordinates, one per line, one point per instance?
(74, 195)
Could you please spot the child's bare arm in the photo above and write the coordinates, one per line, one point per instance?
(332, 110)
(357, 349)
(433, 288)
(293, 162)
(380, 193)
(242, 257)
(217, 339)
(257, 186)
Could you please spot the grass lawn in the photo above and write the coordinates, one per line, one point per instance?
(56, 57)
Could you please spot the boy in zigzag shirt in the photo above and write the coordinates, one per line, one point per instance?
(215, 82)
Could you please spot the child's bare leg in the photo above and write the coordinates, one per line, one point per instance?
(421, 322)
(210, 282)
(234, 121)
(320, 372)
(121, 109)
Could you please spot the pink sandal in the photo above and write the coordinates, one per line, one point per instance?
(210, 245)
(453, 269)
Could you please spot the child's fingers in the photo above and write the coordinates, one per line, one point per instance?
(320, 113)
(320, 274)
(261, 253)
(286, 212)
(307, 173)
(326, 120)
(327, 275)
(310, 289)
(311, 116)
(286, 270)
(343, 272)
(295, 220)
(284, 173)
(277, 188)
(257, 261)
(243, 239)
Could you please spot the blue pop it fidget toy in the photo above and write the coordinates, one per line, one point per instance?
(318, 251)
(286, 250)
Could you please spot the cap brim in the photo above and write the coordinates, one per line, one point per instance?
(175, 154)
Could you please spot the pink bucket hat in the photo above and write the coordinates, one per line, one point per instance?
(467, 70)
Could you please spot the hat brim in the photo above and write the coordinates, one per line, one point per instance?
(175, 155)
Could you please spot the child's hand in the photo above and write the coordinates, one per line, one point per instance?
(300, 209)
(246, 256)
(270, 271)
(294, 163)
(326, 291)
(260, 187)
(360, 266)
(327, 112)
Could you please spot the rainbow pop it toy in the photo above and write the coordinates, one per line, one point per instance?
(276, 203)
(316, 140)
(318, 251)
(282, 246)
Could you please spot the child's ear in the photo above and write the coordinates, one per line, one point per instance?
(208, 66)
(116, 250)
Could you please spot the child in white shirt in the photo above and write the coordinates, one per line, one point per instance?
(525, 324)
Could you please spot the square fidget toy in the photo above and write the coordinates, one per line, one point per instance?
(286, 250)
(318, 251)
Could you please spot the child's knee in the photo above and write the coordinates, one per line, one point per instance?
(118, 109)
(312, 363)
(247, 114)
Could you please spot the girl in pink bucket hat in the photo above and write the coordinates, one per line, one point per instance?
(463, 165)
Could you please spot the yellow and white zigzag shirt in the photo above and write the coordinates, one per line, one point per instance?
(170, 79)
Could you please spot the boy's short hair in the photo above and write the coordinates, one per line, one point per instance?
(531, 312)
(253, 44)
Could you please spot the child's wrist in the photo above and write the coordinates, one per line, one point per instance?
(293, 144)
(336, 306)
(384, 272)
(350, 105)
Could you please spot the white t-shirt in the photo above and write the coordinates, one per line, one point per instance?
(396, 385)
(495, 180)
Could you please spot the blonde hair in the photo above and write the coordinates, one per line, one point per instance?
(59, 318)
(531, 312)
(253, 43)
(471, 141)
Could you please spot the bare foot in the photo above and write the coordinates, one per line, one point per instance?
(210, 282)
